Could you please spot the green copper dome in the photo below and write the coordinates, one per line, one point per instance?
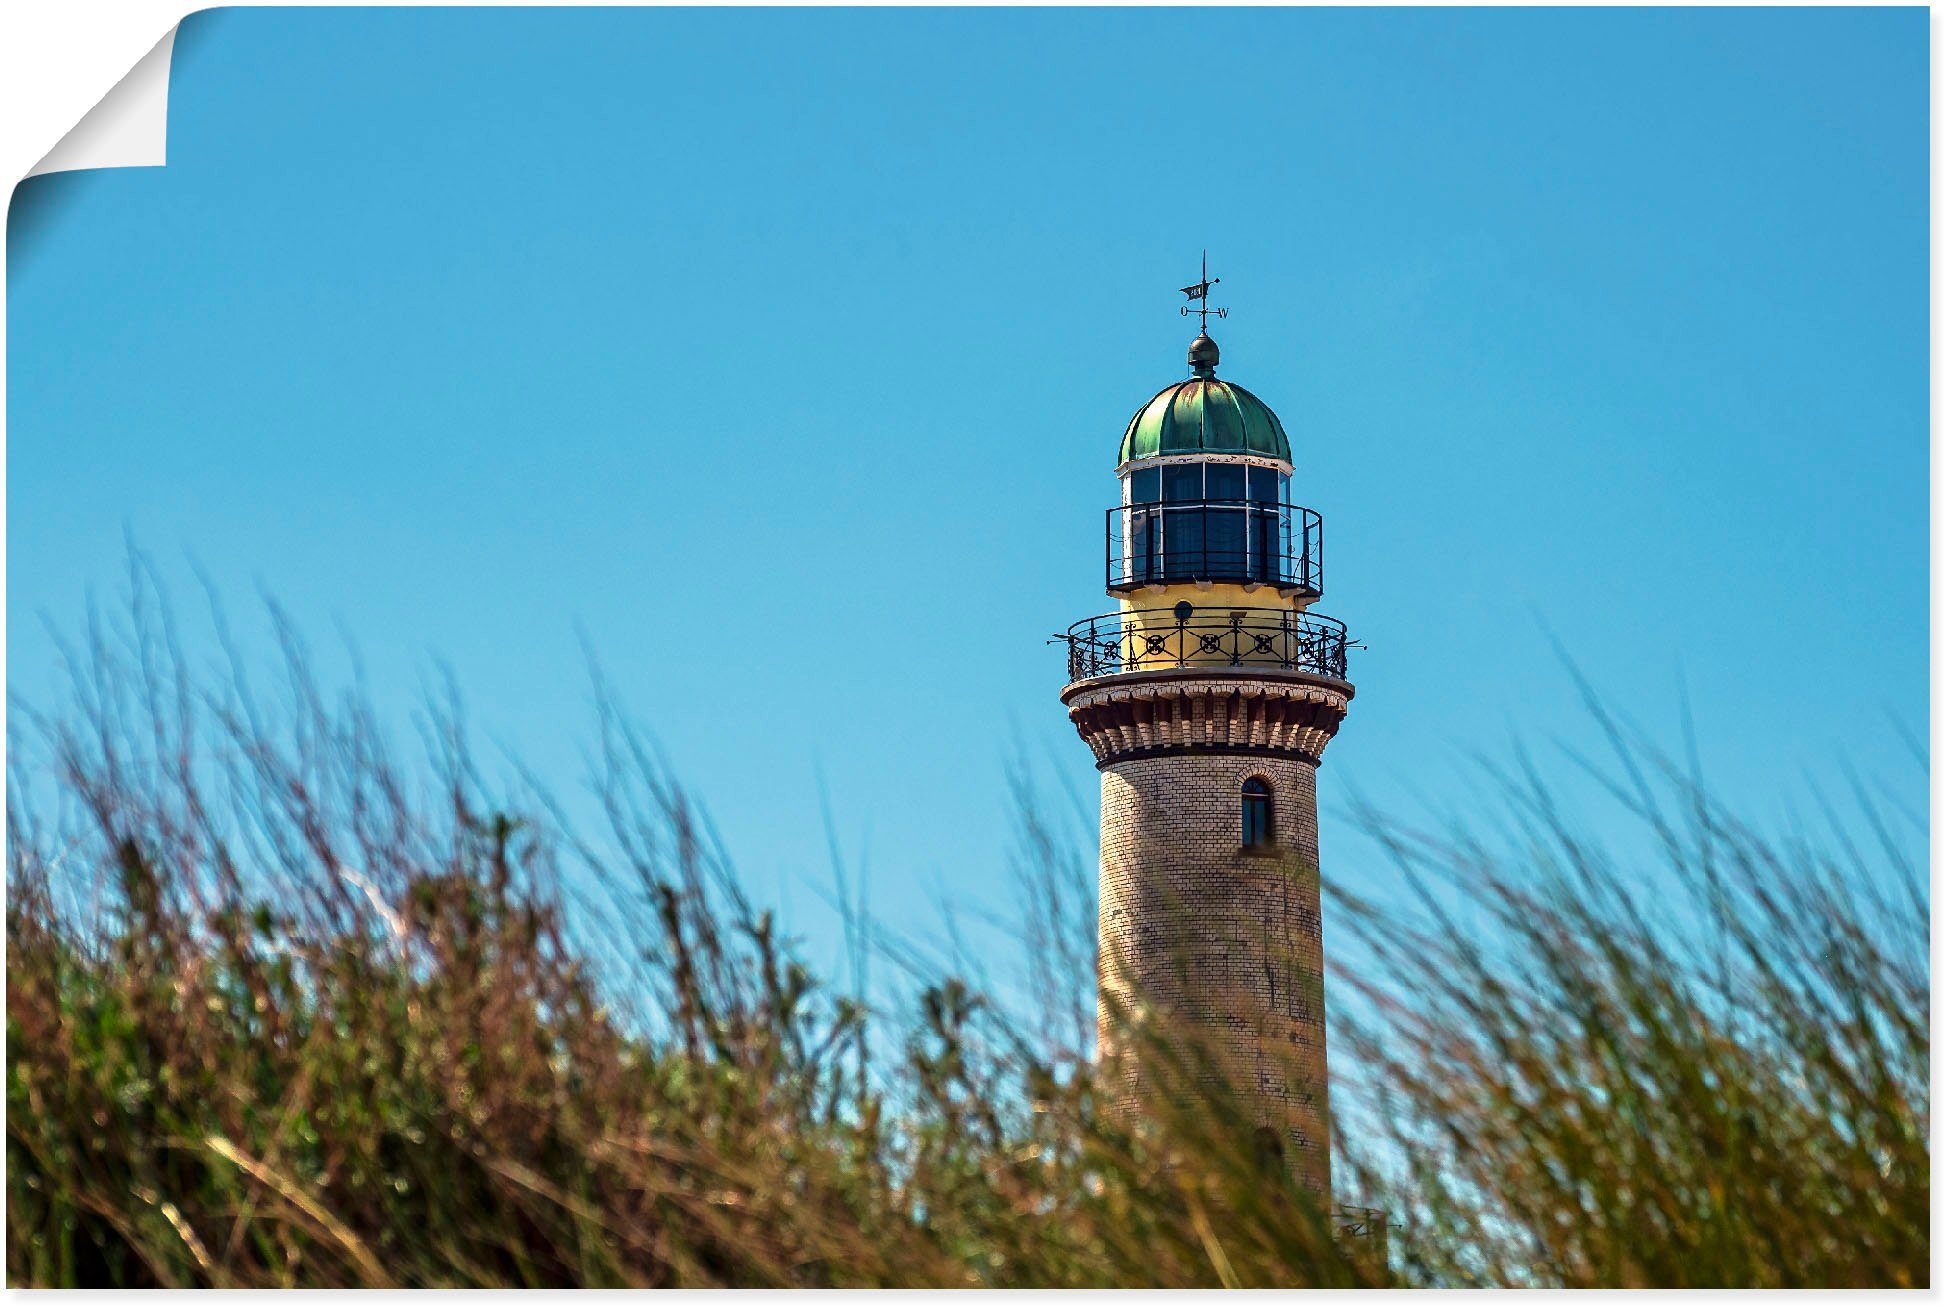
(1204, 415)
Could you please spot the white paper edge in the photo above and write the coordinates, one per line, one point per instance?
(129, 128)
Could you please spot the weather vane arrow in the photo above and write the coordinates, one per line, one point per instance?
(1198, 296)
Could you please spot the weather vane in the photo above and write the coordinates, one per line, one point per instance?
(1199, 296)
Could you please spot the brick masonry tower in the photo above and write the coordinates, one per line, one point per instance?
(1208, 698)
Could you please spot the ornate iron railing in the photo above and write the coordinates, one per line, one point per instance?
(1154, 639)
(1242, 540)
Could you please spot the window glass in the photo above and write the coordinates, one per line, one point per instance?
(1268, 563)
(1289, 545)
(1143, 530)
(1224, 481)
(1182, 543)
(1226, 529)
(1226, 532)
(1181, 481)
(1263, 484)
(1256, 814)
(1145, 486)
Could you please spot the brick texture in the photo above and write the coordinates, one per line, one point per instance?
(1196, 928)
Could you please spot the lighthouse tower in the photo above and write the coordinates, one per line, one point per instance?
(1208, 698)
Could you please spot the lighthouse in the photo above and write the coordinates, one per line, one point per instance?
(1208, 697)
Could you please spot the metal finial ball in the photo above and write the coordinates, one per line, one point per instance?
(1203, 353)
(1183, 610)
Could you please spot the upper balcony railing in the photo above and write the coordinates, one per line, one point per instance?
(1241, 541)
(1160, 639)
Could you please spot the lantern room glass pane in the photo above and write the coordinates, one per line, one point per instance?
(1269, 563)
(1224, 481)
(1145, 486)
(1225, 522)
(1182, 526)
(1291, 547)
(1225, 532)
(1182, 482)
(1183, 544)
(1139, 546)
(1264, 484)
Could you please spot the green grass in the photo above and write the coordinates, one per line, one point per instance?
(286, 1010)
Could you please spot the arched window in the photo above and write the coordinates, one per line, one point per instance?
(1269, 1148)
(1257, 827)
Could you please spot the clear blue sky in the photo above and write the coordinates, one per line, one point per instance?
(785, 353)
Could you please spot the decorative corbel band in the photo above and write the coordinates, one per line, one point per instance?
(1149, 714)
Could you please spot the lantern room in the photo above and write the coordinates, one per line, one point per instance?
(1205, 472)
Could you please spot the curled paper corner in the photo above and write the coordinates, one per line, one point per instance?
(129, 128)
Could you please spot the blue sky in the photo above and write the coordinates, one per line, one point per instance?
(785, 354)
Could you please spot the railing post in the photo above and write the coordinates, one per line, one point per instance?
(1320, 555)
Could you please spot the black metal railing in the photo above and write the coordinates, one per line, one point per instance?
(1364, 1234)
(1155, 639)
(1360, 1221)
(1242, 540)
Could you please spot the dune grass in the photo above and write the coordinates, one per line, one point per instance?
(286, 1009)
